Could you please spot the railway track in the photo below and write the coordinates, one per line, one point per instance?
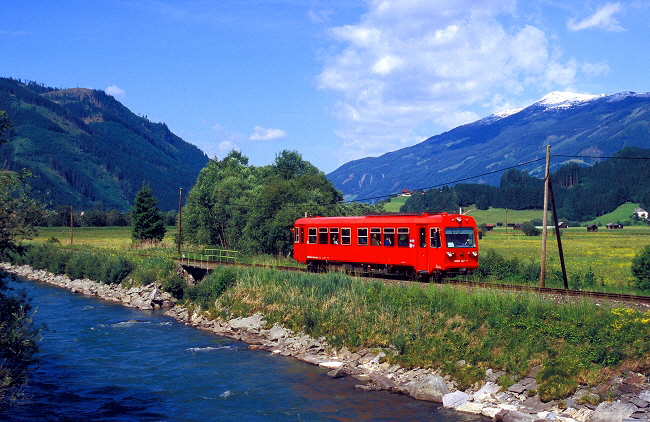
(622, 297)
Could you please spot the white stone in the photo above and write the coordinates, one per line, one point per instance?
(490, 412)
(331, 364)
(486, 392)
(471, 407)
(455, 399)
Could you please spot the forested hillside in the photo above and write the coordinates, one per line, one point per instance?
(581, 193)
(86, 149)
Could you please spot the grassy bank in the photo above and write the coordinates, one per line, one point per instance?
(463, 333)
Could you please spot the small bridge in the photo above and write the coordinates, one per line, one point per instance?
(198, 264)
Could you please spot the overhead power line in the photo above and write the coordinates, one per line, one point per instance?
(453, 182)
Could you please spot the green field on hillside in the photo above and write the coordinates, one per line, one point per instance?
(395, 204)
(620, 214)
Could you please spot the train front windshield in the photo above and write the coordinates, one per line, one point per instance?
(460, 237)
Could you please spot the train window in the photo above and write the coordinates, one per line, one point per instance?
(423, 237)
(296, 235)
(402, 236)
(389, 236)
(435, 237)
(346, 236)
(334, 235)
(311, 235)
(460, 237)
(375, 236)
(322, 235)
(362, 236)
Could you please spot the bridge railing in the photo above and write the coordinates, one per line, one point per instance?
(208, 256)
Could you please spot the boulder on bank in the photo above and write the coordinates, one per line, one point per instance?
(430, 388)
(612, 412)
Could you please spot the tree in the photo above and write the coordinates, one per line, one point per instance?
(19, 213)
(147, 222)
(5, 125)
(252, 209)
(18, 338)
(18, 341)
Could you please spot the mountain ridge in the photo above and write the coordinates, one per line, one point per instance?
(579, 125)
(87, 149)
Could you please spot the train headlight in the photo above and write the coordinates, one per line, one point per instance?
(474, 254)
(458, 219)
(450, 254)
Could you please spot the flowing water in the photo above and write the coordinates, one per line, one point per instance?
(101, 361)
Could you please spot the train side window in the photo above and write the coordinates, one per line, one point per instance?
(311, 235)
(375, 236)
(423, 237)
(435, 237)
(322, 235)
(362, 236)
(402, 236)
(346, 236)
(296, 235)
(334, 235)
(389, 236)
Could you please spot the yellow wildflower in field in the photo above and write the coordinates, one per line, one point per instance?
(628, 316)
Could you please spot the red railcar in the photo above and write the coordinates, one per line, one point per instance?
(422, 245)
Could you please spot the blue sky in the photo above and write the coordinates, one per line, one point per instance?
(335, 80)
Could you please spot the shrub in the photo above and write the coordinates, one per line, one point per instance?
(151, 270)
(115, 269)
(529, 229)
(206, 292)
(174, 285)
(641, 269)
(76, 266)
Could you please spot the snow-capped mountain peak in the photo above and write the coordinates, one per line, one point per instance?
(559, 99)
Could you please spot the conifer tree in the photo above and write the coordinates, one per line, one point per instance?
(147, 222)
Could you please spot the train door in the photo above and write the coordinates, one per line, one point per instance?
(436, 259)
(423, 249)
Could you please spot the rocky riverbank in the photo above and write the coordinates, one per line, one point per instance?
(628, 397)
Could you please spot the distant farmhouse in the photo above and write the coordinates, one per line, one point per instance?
(641, 213)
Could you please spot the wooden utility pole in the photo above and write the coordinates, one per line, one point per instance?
(180, 211)
(542, 275)
(557, 235)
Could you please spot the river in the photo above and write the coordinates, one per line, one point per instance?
(101, 361)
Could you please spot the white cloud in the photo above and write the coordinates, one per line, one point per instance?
(319, 16)
(115, 91)
(602, 18)
(417, 63)
(264, 134)
(225, 147)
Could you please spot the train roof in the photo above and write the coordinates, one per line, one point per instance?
(387, 218)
